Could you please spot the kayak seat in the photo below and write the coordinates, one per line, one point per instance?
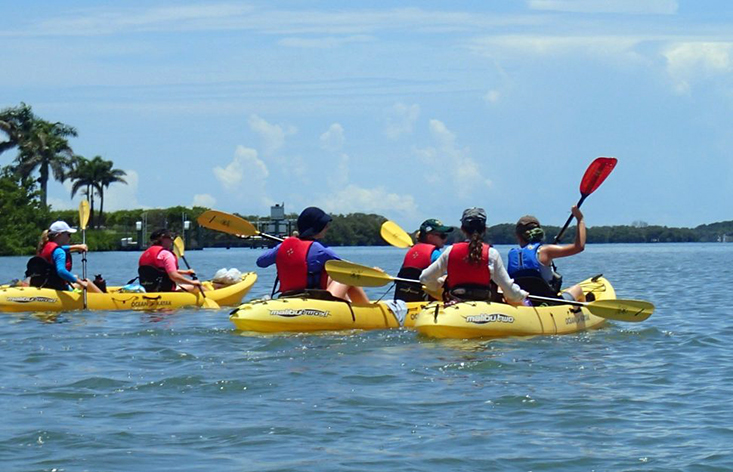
(43, 275)
(153, 279)
(409, 292)
(538, 286)
(315, 293)
(469, 292)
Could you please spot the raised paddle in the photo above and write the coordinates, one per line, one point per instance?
(180, 249)
(83, 220)
(594, 176)
(231, 224)
(394, 235)
(615, 309)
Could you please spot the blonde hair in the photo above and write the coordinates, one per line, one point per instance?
(42, 242)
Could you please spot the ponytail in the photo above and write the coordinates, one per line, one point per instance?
(475, 232)
(42, 242)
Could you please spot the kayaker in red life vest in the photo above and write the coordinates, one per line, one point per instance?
(472, 265)
(300, 260)
(54, 249)
(431, 239)
(158, 267)
(531, 264)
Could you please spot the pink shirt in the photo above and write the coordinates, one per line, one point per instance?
(168, 260)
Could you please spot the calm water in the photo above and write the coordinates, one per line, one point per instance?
(184, 391)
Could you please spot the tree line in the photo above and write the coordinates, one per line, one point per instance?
(44, 152)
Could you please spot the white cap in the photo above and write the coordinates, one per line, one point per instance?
(61, 227)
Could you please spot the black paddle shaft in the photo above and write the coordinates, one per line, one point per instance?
(570, 218)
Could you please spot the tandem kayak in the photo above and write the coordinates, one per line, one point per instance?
(492, 320)
(20, 299)
(310, 314)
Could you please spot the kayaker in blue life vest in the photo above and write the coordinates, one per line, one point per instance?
(51, 267)
(300, 260)
(431, 239)
(531, 264)
(471, 266)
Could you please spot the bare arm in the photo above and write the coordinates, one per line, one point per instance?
(554, 251)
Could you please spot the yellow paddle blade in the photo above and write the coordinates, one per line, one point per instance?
(226, 223)
(209, 303)
(394, 235)
(356, 275)
(83, 214)
(631, 311)
(179, 248)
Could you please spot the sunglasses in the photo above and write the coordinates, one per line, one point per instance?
(441, 235)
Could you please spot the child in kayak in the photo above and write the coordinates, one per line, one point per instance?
(158, 267)
(471, 266)
(300, 260)
(531, 264)
(431, 239)
(51, 267)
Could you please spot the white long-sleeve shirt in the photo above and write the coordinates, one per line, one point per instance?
(431, 277)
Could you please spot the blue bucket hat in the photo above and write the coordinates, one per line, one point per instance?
(311, 221)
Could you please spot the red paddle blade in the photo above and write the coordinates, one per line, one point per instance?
(596, 173)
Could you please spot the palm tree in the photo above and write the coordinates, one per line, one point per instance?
(83, 176)
(16, 123)
(107, 177)
(47, 150)
(94, 176)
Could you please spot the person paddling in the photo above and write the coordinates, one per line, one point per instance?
(471, 266)
(158, 267)
(52, 265)
(531, 264)
(300, 260)
(431, 239)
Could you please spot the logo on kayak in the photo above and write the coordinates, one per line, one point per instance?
(302, 312)
(484, 318)
(31, 299)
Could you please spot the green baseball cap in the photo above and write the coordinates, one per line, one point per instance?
(433, 225)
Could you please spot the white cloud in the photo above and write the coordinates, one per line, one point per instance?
(333, 139)
(513, 46)
(492, 96)
(204, 200)
(329, 42)
(642, 7)
(246, 176)
(353, 198)
(273, 136)
(455, 163)
(691, 60)
(120, 196)
(401, 119)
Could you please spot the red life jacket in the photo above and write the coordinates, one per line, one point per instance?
(47, 254)
(462, 272)
(292, 265)
(418, 257)
(150, 257)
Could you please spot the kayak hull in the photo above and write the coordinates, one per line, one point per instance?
(493, 320)
(23, 299)
(308, 315)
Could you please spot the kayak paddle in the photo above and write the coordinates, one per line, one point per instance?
(613, 309)
(180, 249)
(83, 220)
(394, 235)
(231, 224)
(594, 176)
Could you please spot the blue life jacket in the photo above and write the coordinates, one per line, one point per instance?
(523, 263)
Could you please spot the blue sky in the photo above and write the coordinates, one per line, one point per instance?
(408, 109)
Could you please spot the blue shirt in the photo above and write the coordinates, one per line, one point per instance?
(317, 256)
(59, 260)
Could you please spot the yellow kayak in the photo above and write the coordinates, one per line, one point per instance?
(309, 314)
(493, 320)
(19, 299)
